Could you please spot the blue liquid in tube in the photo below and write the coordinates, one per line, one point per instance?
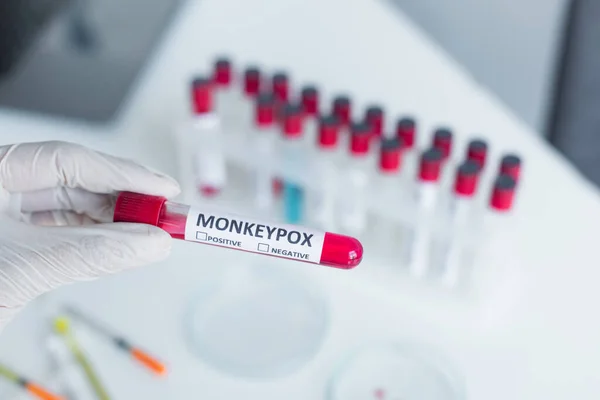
(293, 203)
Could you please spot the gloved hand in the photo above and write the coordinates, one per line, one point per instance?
(63, 232)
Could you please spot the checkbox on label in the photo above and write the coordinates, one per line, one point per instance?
(263, 247)
(201, 236)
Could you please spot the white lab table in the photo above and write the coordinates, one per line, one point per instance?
(547, 348)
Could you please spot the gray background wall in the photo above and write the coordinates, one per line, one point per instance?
(508, 45)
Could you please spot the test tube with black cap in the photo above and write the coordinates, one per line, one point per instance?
(406, 131)
(353, 207)
(327, 156)
(295, 159)
(458, 221)
(418, 237)
(200, 156)
(264, 140)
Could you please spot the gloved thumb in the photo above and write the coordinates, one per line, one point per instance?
(45, 258)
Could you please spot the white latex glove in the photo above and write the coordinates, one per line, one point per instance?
(63, 230)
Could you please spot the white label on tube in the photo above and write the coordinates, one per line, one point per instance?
(262, 237)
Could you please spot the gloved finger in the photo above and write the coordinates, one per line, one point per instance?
(34, 166)
(58, 218)
(99, 207)
(63, 255)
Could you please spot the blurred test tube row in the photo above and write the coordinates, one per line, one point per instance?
(273, 151)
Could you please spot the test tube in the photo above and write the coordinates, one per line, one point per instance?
(375, 116)
(294, 155)
(226, 101)
(211, 174)
(323, 197)
(309, 100)
(390, 191)
(264, 141)
(353, 208)
(342, 110)
(418, 236)
(406, 131)
(459, 213)
(240, 233)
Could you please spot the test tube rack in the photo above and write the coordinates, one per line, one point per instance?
(484, 246)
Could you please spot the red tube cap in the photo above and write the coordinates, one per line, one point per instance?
(341, 251)
(442, 139)
(406, 131)
(139, 208)
(477, 151)
(292, 121)
(342, 109)
(361, 138)
(431, 165)
(265, 110)
(503, 193)
(390, 156)
(374, 116)
(310, 100)
(252, 81)
(511, 165)
(281, 86)
(467, 177)
(328, 131)
(223, 73)
(202, 97)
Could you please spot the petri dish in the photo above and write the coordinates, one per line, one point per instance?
(257, 321)
(395, 372)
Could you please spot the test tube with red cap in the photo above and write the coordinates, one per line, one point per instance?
(443, 140)
(201, 159)
(359, 166)
(322, 198)
(294, 162)
(457, 221)
(390, 192)
(264, 140)
(243, 101)
(309, 101)
(406, 131)
(231, 231)
(418, 235)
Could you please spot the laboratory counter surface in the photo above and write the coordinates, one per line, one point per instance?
(547, 346)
